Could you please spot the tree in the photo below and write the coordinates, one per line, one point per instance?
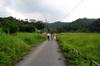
(95, 26)
(39, 25)
(27, 27)
(9, 25)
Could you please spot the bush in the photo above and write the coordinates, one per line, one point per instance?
(13, 47)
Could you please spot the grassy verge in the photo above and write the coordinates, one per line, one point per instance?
(87, 47)
(13, 47)
(31, 38)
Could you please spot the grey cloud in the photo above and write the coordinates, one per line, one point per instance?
(3, 12)
(30, 6)
(26, 6)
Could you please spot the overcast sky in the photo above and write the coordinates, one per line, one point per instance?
(53, 10)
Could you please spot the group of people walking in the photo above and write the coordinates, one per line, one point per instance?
(51, 36)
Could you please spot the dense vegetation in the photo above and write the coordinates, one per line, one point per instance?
(80, 48)
(13, 47)
(14, 39)
(13, 25)
(79, 25)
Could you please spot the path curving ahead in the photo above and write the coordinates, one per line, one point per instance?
(47, 54)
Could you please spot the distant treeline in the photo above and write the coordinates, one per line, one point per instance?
(13, 25)
(79, 25)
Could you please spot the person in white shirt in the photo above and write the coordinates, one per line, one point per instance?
(49, 36)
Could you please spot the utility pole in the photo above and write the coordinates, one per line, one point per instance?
(46, 24)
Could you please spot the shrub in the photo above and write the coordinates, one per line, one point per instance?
(13, 47)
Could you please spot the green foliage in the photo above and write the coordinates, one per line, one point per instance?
(39, 25)
(10, 25)
(31, 38)
(27, 27)
(87, 47)
(57, 27)
(95, 27)
(13, 47)
(13, 25)
(79, 25)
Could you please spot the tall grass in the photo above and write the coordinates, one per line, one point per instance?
(31, 38)
(87, 44)
(13, 47)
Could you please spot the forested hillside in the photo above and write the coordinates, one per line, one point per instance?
(79, 25)
(13, 25)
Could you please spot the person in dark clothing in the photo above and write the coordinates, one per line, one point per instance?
(49, 36)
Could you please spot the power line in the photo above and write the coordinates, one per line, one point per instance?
(73, 9)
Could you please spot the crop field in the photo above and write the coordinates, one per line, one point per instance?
(80, 48)
(13, 47)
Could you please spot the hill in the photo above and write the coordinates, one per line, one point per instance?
(79, 25)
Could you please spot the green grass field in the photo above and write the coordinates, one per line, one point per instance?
(13, 47)
(87, 47)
